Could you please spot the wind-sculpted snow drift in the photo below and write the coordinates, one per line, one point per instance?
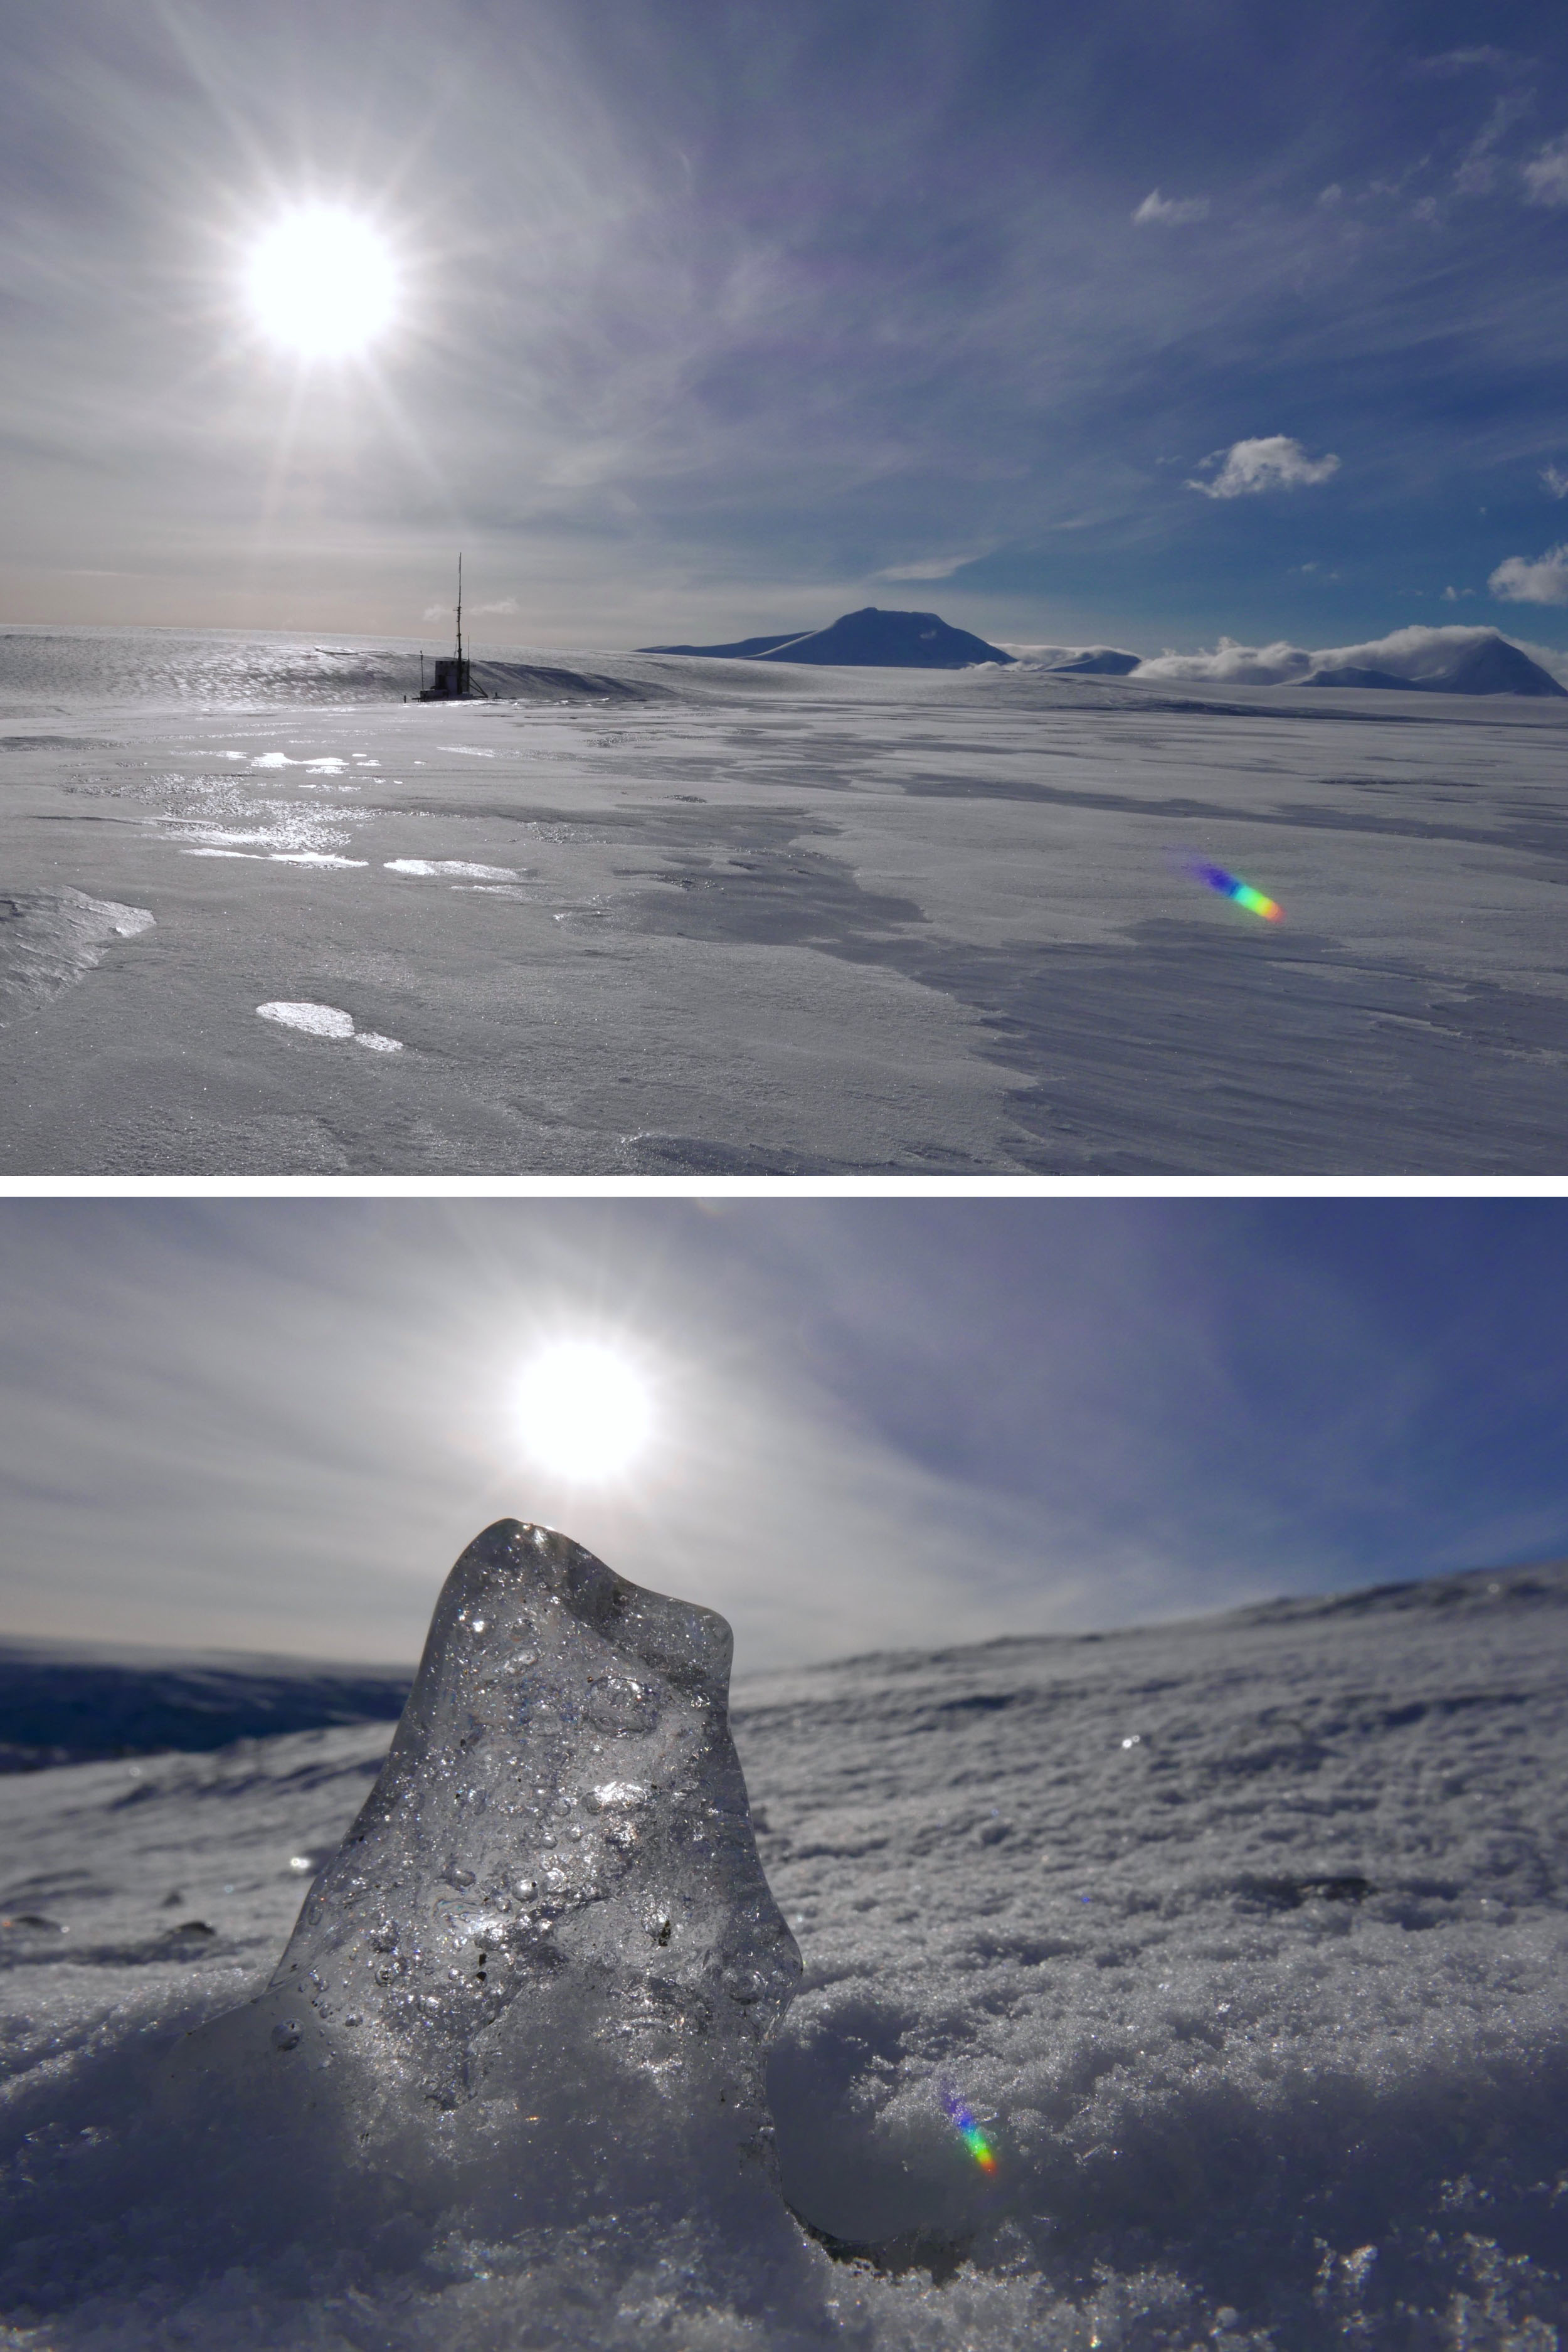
(541, 1971)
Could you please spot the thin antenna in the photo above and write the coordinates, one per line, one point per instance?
(459, 608)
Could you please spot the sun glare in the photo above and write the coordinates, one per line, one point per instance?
(585, 1413)
(322, 283)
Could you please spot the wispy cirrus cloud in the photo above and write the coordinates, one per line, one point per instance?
(1545, 174)
(1170, 212)
(1273, 461)
(1555, 480)
(1519, 580)
(1484, 58)
(1477, 170)
(933, 567)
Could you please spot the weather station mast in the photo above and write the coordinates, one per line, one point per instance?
(453, 680)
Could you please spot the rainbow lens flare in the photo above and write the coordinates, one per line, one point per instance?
(973, 2139)
(1257, 902)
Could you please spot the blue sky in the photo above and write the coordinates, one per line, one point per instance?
(273, 1424)
(719, 316)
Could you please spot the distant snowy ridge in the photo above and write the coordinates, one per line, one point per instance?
(1435, 661)
(62, 1703)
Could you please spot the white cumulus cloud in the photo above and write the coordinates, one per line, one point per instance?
(1231, 664)
(1546, 174)
(1272, 462)
(1170, 212)
(1555, 481)
(1518, 581)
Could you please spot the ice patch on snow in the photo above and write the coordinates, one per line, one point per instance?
(473, 751)
(327, 1021)
(313, 857)
(428, 866)
(315, 1020)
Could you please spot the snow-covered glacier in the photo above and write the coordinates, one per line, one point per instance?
(654, 916)
(1196, 1986)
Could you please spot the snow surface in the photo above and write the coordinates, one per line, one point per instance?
(1242, 1939)
(760, 919)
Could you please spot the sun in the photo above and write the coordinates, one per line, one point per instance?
(322, 282)
(586, 1413)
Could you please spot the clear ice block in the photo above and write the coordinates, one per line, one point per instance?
(545, 1955)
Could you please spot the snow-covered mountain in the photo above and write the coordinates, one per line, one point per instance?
(1235, 1946)
(1435, 661)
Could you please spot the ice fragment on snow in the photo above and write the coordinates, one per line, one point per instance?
(550, 1905)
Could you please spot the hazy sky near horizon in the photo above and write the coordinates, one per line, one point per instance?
(1140, 323)
(876, 1423)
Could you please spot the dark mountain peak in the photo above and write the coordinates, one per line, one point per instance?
(868, 639)
(874, 639)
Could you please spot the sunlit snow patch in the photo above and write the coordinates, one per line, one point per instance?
(428, 866)
(327, 1021)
